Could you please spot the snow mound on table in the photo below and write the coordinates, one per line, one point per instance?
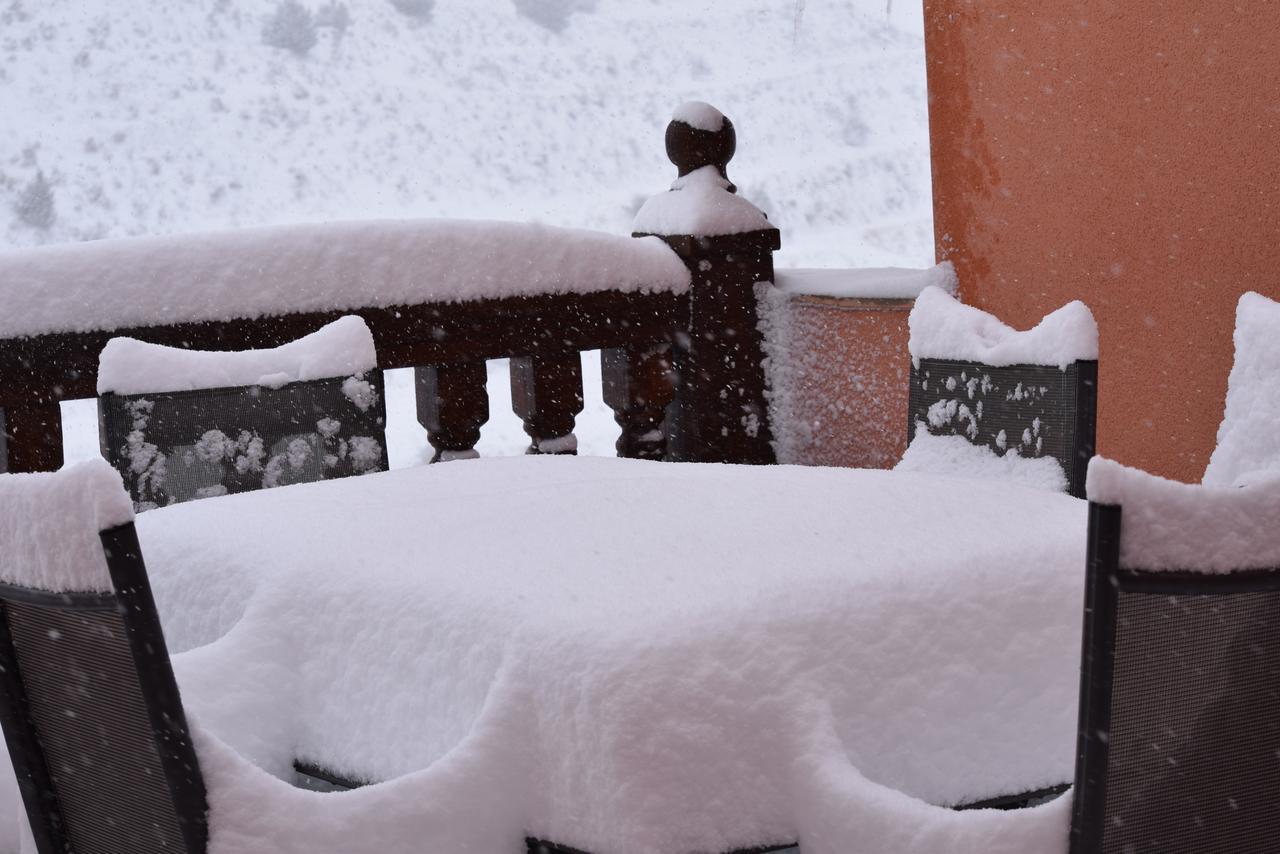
(957, 456)
(250, 273)
(340, 349)
(699, 115)
(1166, 524)
(1249, 438)
(581, 680)
(699, 203)
(867, 282)
(49, 525)
(943, 328)
(466, 803)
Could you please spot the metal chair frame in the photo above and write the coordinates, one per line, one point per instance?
(133, 603)
(1107, 581)
(1067, 408)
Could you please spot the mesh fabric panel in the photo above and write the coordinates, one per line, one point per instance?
(1035, 407)
(86, 702)
(1194, 746)
(178, 446)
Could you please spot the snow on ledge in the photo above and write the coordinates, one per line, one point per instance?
(1166, 524)
(339, 266)
(699, 115)
(1248, 441)
(867, 282)
(340, 349)
(943, 328)
(49, 525)
(700, 204)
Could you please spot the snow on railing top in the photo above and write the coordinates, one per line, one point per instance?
(1248, 441)
(867, 282)
(325, 267)
(50, 524)
(340, 349)
(943, 328)
(1170, 525)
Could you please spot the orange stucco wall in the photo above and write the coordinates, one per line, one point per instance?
(1123, 152)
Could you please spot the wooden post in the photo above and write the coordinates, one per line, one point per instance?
(638, 385)
(720, 413)
(453, 404)
(546, 392)
(31, 437)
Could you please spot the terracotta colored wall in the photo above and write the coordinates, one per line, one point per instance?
(1125, 153)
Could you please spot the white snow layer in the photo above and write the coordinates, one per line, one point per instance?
(49, 526)
(1166, 524)
(754, 673)
(343, 348)
(868, 282)
(943, 328)
(957, 456)
(700, 204)
(146, 281)
(700, 115)
(1249, 436)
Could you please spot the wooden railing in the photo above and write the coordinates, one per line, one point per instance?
(682, 371)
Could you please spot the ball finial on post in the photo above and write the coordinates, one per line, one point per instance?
(700, 135)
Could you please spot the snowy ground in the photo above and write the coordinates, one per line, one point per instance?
(175, 115)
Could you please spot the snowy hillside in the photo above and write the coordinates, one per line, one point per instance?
(178, 115)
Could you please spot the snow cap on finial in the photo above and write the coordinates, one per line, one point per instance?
(699, 115)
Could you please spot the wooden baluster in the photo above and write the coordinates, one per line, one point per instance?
(638, 385)
(31, 437)
(453, 404)
(546, 392)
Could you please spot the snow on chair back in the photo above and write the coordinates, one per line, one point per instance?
(989, 401)
(1179, 738)
(182, 424)
(1248, 438)
(91, 713)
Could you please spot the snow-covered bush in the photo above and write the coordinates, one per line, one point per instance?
(35, 205)
(553, 14)
(291, 27)
(420, 9)
(334, 15)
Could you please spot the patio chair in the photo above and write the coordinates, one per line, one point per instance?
(180, 424)
(91, 713)
(1248, 443)
(987, 400)
(1179, 735)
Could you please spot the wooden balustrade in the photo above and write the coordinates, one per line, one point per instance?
(682, 372)
(447, 342)
(546, 392)
(639, 383)
(453, 405)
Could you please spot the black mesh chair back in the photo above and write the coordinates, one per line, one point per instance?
(1179, 741)
(93, 719)
(1029, 410)
(177, 446)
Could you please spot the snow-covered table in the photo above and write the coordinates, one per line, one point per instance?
(629, 656)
